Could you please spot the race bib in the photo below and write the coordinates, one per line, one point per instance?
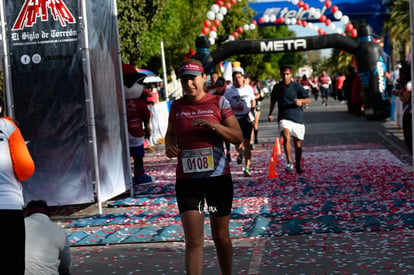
(197, 160)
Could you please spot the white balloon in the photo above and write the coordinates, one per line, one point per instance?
(231, 37)
(287, 21)
(212, 41)
(211, 15)
(293, 21)
(266, 18)
(332, 27)
(338, 15)
(272, 18)
(310, 25)
(312, 11)
(223, 10)
(220, 16)
(215, 8)
(295, 2)
(246, 27)
(315, 28)
(339, 31)
(213, 34)
(345, 20)
(317, 14)
(252, 26)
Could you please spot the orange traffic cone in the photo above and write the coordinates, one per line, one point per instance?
(274, 154)
(272, 169)
(277, 145)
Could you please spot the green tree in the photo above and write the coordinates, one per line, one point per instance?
(143, 24)
(135, 18)
(398, 26)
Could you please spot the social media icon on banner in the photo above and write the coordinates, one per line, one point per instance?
(25, 59)
(36, 58)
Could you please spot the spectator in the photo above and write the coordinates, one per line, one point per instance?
(47, 246)
(16, 165)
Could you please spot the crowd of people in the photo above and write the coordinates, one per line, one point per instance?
(202, 126)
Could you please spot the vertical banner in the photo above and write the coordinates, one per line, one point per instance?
(49, 98)
(109, 106)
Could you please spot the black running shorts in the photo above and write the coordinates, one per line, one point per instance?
(217, 191)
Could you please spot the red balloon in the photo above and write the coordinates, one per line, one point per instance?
(227, 5)
(306, 7)
(281, 20)
(213, 29)
(240, 30)
(320, 31)
(300, 4)
(220, 3)
(205, 30)
(298, 22)
(235, 34)
(354, 33)
(233, 2)
(216, 22)
(322, 18)
(207, 23)
(328, 4)
(254, 22)
(261, 20)
(327, 22)
(304, 23)
(334, 9)
(349, 27)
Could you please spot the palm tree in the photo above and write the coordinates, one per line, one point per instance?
(398, 26)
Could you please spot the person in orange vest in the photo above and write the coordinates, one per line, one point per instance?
(16, 165)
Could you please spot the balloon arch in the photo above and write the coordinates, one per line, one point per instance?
(369, 56)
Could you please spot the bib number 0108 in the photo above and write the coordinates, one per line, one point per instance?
(197, 160)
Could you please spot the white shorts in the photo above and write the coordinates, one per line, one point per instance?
(296, 129)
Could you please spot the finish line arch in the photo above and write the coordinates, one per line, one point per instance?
(369, 56)
(374, 12)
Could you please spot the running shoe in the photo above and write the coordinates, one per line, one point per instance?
(143, 179)
(240, 157)
(246, 172)
(289, 167)
(298, 169)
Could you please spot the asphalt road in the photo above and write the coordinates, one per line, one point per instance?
(382, 252)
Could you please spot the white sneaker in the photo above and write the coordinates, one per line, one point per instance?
(289, 167)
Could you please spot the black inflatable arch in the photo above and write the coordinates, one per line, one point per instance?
(369, 56)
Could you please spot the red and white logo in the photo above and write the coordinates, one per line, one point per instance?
(32, 9)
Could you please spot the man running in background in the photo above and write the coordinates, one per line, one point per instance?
(290, 97)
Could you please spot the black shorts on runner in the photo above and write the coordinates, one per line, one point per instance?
(217, 191)
(246, 126)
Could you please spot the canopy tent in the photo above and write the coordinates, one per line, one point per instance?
(152, 79)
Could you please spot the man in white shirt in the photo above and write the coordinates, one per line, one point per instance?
(242, 101)
(47, 246)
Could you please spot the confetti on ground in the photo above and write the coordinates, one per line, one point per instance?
(352, 188)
